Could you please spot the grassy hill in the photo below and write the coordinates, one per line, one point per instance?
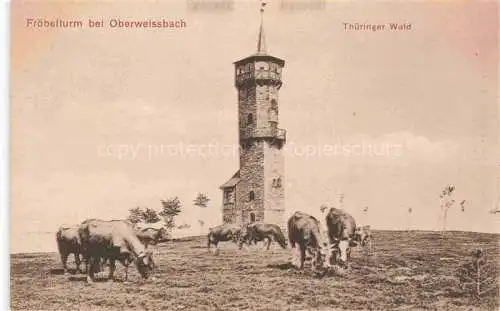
(412, 270)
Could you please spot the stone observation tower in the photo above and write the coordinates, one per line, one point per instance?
(256, 191)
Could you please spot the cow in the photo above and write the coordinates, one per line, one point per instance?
(68, 242)
(223, 233)
(147, 236)
(305, 230)
(342, 234)
(256, 232)
(113, 240)
(152, 236)
(363, 236)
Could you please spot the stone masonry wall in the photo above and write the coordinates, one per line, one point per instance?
(251, 179)
(246, 106)
(274, 180)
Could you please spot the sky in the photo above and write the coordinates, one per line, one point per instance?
(104, 120)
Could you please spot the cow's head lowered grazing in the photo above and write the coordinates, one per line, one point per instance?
(342, 235)
(145, 264)
(342, 251)
(245, 236)
(323, 254)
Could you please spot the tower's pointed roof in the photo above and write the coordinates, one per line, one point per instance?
(261, 43)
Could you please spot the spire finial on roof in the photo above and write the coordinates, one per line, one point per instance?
(261, 43)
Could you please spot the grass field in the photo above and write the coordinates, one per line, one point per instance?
(404, 271)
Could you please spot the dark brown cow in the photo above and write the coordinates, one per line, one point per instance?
(257, 232)
(223, 233)
(305, 230)
(342, 234)
(114, 240)
(68, 242)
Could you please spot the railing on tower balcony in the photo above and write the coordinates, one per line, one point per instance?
(268, 132)
(266, 74)
(281, 134)
(240, 78)
(257, 75)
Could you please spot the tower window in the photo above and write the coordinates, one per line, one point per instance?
(229, 196)
(277, 182)
(250, 118)
(252, 217)
(251, 196)
(274, 104)
(263, 66)
(247, 144)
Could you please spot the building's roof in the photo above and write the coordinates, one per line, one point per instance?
(260, 57)
(235, 179)
(261, 53)
(261, 42)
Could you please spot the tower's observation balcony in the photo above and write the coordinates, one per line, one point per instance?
(258, 77)
(268, 132)
(259, 68)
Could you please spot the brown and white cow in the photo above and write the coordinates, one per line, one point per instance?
(68, 242)
(305, 232)
(114, 240)
(223, 233)
(342, 234)
(256, 232)
(363, 236)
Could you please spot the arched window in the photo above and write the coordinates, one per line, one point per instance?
(277, 182)
(274, 104)
(251, 196)
(252, 217)
(250, 118)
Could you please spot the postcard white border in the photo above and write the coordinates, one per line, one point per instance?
(4, 155)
